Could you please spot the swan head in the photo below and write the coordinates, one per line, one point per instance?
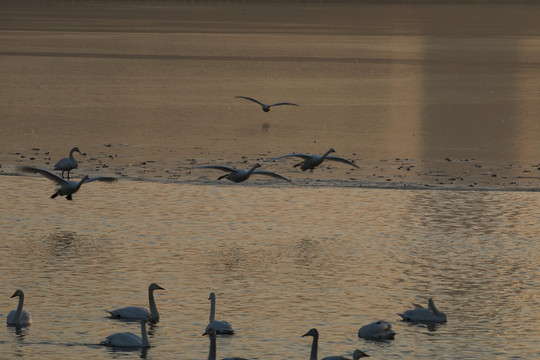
(313, 332)
(154, 286)
(331, 150)
(357, 354)
(18, 292)
(212, 296)
(76, 149)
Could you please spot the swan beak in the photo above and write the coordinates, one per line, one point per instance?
(160, 288)
(306, 334)
(14, 295)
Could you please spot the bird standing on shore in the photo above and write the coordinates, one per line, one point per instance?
(68, 163)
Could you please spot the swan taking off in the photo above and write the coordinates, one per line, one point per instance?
(378, 330)
(265, 107)
(137, 312)
(67, 164)
(19, 316)
(312, 161)
(221, 327)
(128, 339)
(237, 175)
(423, 315)
(357, 354)
(67, 187)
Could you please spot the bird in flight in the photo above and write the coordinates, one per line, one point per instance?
(312, 161)
(266, 107)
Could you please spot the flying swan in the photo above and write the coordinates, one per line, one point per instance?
(266, 107)
(67, 164)
(312, 161)
(128, 339)
(357, 354)
(221, 327)
(67, 187)
(19, 316)
(137, 312)
(378, 330)
(237, 175)
(423, 315)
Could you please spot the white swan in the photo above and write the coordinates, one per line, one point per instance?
(137, 312)
(378, 330)
(211, 332)
(237, 175)
(67, 187)
(19, 316)
(312, 161)
(221, 327)
(67, 164)
(128, 339)
(421, 314)
(357, 354)
(266, 107)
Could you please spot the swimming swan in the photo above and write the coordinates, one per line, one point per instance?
(221, 327)
(67, 164)
(265, 107)
(378, 330)
(312, 161)
(128, 339)
(421, 314)
(19, 316)
(237, 175)
(137, 312)
(357, 354)
(67, 187)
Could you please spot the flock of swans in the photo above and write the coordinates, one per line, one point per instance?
(378, 330)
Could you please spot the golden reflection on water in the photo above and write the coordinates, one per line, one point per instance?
(281, 260)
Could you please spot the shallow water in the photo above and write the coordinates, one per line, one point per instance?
(281, 261)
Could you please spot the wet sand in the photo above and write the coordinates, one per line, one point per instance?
(417, 98)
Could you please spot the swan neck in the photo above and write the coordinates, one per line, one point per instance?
(153, 308)
(212, 309)
(314, 347)
(212, 353)
(18, 313)
(144, 335)
(252, 169)
(71, 155)
(327, 153)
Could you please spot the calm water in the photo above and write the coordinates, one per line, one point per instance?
(281, 260)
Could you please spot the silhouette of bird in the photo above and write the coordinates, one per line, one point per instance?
(68, 163)
(266, 107)
(237, 175)
(312, 161)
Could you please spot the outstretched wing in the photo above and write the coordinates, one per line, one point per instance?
(101, 178)
(218, 167)
(284, 103)
(269, 173)
(252, 99)
(48, 174)
(340, 159)
(304, 156)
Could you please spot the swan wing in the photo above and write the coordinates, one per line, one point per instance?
(26, 318)
(303, 156)
(126, 339)
(48, 174)
(221, 327)
(417, 306)
(422, 315)
(66, 164)
(269, 173)
(218, 167)
(251, 99)
(130, 312)
(340, 159)
(283, 103)
(101, 178)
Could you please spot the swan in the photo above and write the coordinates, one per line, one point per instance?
(19, 316)
(221, 327)
(266, 107)
(137, 312)
(67, 164)
(211, 332)
(312, 161)
(128, 339)
(237, 175)
(357, 354)
(67, 187)
(378, 330)
(421, 314)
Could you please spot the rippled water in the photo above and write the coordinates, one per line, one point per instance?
(281, 261)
